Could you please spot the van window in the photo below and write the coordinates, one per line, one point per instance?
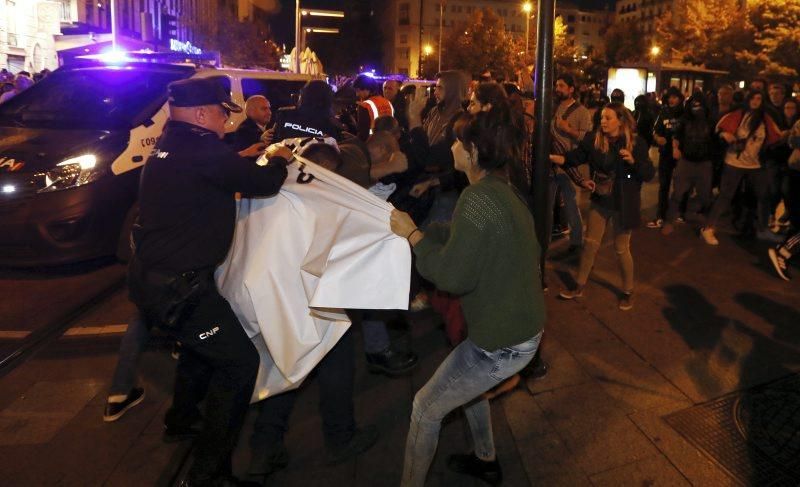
(98, 98)
(279, 92)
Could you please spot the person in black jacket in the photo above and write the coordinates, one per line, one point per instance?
(254, 128)
(665, 127)
(619, 164)
(693, 148)
(185, 227)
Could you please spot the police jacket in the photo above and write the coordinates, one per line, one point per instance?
(370, 109)
(293, 122)
(187, 209)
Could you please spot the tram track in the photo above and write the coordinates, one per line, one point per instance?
(43, 335)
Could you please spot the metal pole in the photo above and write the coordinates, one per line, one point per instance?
(297, 35)
(543, 93)
(441, 17)
(527, 36)
(113, 25)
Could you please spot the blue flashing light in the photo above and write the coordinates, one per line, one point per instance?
(114, 57)
(370, 74)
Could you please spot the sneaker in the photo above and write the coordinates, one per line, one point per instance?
(119, 405)
(667, 229)
(560, 231)
(707, 234)
(680, 220)
(269, 460)
(420, 302)
(362, 440)
(657, 223)
(626, 301)
(391, 363)
(768, 236)
(473, 466)
(576, 292)
(779, 263)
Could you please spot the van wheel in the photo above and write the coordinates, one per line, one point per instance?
(124, 242)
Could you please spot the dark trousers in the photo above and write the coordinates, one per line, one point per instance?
(777, 175)
(335, 375)
(732, 177)
(218, 363)
(666, 166)
(688, 175)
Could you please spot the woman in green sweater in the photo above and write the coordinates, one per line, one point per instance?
(489, 256)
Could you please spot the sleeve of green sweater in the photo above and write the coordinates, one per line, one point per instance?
(455, 265)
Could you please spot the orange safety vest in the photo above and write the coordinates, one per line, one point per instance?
(377, 106)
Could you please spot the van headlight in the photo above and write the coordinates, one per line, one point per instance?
(71, 173)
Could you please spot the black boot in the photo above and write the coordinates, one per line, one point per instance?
(471, 465)
(390, 362)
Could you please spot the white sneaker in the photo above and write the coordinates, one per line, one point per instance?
(779, 262)
(707, 234)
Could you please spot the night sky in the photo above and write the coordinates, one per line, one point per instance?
(283, 22)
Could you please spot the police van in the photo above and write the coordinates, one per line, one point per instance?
(73, 145)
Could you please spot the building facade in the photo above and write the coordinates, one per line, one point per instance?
(37, 34)
(412, 27)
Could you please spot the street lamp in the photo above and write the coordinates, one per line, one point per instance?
(655, 51)
(427, 49)
(527, 7)
(298, 15)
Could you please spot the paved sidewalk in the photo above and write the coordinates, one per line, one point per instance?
(707, 322)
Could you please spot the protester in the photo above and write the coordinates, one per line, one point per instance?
(665, 128)
(571, 123)
(747, 131)
(619, 164)
(790, 247)
(184, 229)
(479, 257)
(693, 148)
(644, 119)
(21, 83)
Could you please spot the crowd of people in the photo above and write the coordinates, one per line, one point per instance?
(13, 84)
(456, 165)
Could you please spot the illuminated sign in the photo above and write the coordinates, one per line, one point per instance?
(286, 61)
(187, 47)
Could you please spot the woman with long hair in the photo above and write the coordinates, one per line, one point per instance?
(619, 164)
(489, 256)
(747, 131)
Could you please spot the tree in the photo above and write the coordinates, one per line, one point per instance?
(482, 44)
(240, 44)
(776, 25)
(624, 42)
(710, 32)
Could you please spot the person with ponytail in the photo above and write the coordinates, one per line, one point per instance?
(619, 164)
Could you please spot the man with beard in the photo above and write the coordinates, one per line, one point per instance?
(571, 121)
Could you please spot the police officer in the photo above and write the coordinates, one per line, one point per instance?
(313, 116)
(184, 229)
(371, 105)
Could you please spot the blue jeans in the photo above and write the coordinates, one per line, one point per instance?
(570, 215)
(465, 374)
(133, 344)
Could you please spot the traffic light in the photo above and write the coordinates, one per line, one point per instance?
(169, 27)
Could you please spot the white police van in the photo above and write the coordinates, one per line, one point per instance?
(72, 147)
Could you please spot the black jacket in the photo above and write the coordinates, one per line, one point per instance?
(625, 196)
(247, 134)
(187, 209)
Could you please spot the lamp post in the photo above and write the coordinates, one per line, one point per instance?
(298, 15)
(527, 7)
(441, 22)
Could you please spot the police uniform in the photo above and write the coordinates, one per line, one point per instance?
(294, 122)
(185, 228)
